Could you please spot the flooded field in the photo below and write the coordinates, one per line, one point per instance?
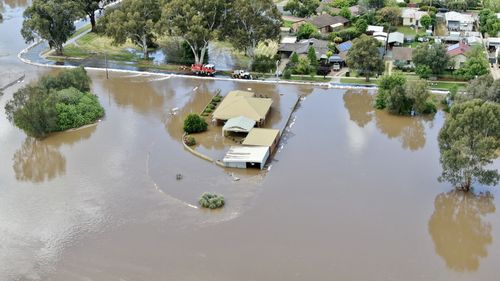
(352, 195)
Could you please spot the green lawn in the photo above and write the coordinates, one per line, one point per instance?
(349, 80)
(81, 30)
(406, 30)
(287, 23)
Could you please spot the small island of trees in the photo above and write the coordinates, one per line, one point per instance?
(55, 103)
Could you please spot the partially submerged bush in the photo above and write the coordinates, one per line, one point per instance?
(217, 99)
(189, 140)
(211, 201)
(195, 124)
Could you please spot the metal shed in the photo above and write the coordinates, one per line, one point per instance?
(246, 157)
(239, 124)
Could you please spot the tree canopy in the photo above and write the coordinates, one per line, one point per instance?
(469, 141)
(51, 20)
(196, 21)
(364, 56)
(90, 7)
(135, 20)
(306, 31)
(484, 88)
(476, 65)
(432, 55)
(302, 8)
(389, 15)
(55, 103)
(251, 22)
(489, 22)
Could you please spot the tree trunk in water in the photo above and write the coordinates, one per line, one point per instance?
(367, 78)
(145, 47)
(92, 22)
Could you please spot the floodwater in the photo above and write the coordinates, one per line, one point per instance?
(351, 195)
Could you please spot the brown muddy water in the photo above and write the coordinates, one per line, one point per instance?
(352, 194)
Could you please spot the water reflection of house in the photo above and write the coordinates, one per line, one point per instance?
(242, 103)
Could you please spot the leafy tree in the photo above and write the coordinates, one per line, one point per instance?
(306, 31)
(476, 64)
(392, 94)
(55, 103)
(418, 92)
(345, 12)
(423, 71)
(426, 21)
(194, 124)
(51, 20)
(134, 20)
(434, 56)
(361, 25)
(389, 15)
(493, 5)
(253, 21)
(264, 64)
(469, 141)
(302, 8)
(457, 5)
(373, 4)
(313, 59)
(196, 21)
(484, 88)
(304, 66)
(364, 56)
(294, 58)
(489, 22)
(211, 201)
(90, 7)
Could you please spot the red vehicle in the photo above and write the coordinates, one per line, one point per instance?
(202, 70)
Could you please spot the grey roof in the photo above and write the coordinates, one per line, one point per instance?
(321, 46)
(325, 20)
(396, 37)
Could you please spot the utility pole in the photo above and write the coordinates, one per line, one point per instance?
(106, 62)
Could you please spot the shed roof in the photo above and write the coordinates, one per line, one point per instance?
(396, 37)
(460, 17)
(241, 103)
(402, 53)
(255, 154)
(239, 124)
(261, 137)
(375, 28)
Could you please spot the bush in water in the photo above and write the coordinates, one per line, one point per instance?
(211, 201)
(195, 124)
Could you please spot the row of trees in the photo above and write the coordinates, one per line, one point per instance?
(55, 103)
(243, 23)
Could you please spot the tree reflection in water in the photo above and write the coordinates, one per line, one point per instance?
(460, 236)
(410, 131)
(40, 160)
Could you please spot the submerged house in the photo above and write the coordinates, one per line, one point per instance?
(246, 157)
(263, 137)
(242, 103)
(239, 124)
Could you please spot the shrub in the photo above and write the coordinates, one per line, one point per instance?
(216, 99)
(423, 71)
(189, 140)
(194, 124)
(263, 64)
(287, 74)
(307, 31)
(211, 201)
(209, 110)
(210, 106)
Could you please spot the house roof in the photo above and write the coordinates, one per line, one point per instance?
(325, 20)
(239, 124)
(255, 154)
(344, 47)
(261, 137)
(412, 13)
(455, 16)
(375, 28)
(396, 37)
(457, 49)
(289, 39)
(402, 53)
(320, 46)
(241, 103)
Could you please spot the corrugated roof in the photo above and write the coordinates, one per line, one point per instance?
(241, 103)
(255, 154)
(327, 20)
(396, 37)
(261, 137)
(239, 124)
(402, 53)
(375, 28)
(454, 16)
(458, 49)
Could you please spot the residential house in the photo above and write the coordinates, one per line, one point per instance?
(324, 9)
(458, 54)
(263, 137)
(302, 47)
(412, 16)
(326, 23)
(459, 21)
(402, 56)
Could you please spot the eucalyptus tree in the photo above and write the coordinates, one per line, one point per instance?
(90, 7)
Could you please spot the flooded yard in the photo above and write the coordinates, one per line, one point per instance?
(351, 195)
